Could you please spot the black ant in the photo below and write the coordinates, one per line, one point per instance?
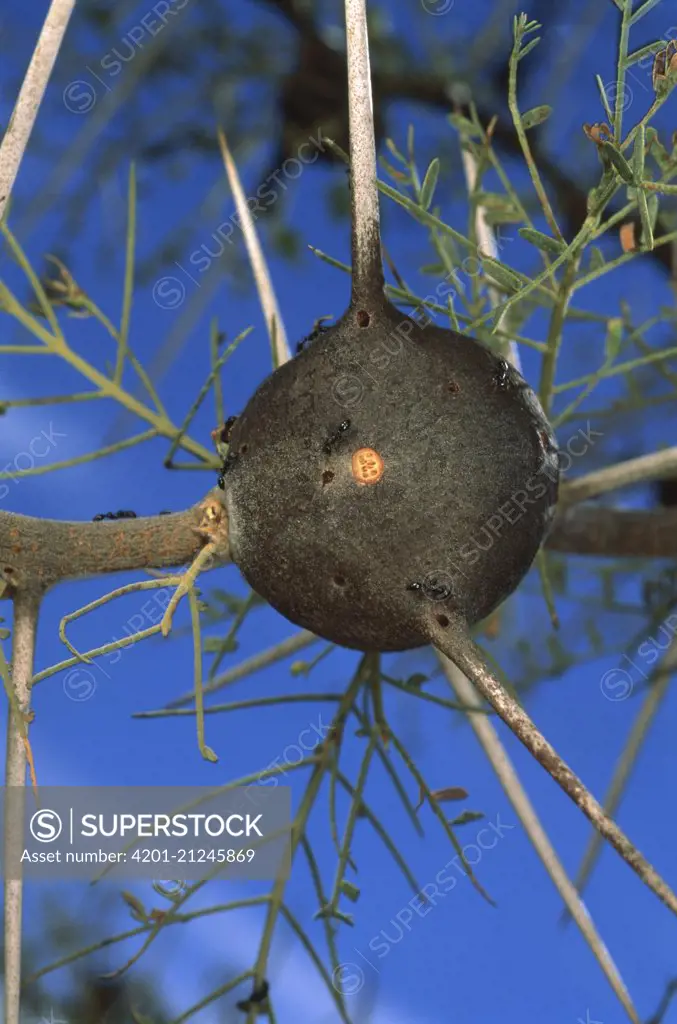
(318, 329)
(230, 458)
(258, 996)
(502, 376)
(122, 514)
(435, 589)
(334, 438)
(226, 430)
(224, 435)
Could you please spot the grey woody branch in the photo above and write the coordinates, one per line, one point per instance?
(615, 533)
(42, 552)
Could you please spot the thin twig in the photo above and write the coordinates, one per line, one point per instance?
(262, 659)
(555, 333)
(664, 1005)
(640, 727)
(26, 607)
(509, 779)
(455, 641)
(264, 285)
(487, 243)
(23, 117)
(99, 118)
(368, 278)
(524, 141)
(624, 474)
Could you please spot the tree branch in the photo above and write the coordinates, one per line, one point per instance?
(42, 552)
(653, 698)
(623, 474)
(30, 97)
(367, 269)
(452, 637)
(26, 607)
(497, 756)
(615, 533)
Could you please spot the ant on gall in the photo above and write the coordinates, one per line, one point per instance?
(334, 438)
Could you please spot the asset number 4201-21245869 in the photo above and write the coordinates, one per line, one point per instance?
(193, 856)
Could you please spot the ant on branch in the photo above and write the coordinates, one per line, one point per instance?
(258, 996)
(123, 514)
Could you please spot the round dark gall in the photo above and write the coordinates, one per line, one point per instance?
(421, 484)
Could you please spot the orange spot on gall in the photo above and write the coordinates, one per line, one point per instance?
(367, 466)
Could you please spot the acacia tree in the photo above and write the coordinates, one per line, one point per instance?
(36, 555)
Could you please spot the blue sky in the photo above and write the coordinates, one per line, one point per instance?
(464, 961)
